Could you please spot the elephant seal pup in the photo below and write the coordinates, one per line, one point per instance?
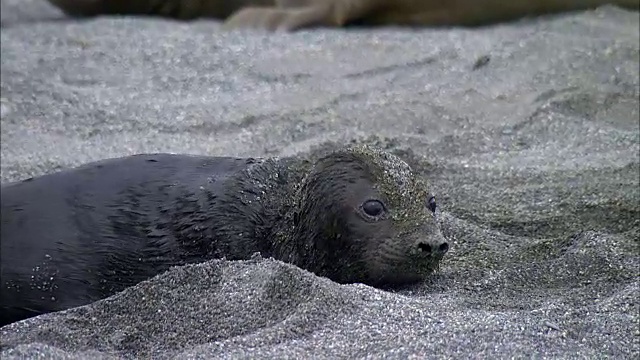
(289, 15)
(356, 214)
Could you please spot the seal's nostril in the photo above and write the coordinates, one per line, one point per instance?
(434, 248)
(424, 247)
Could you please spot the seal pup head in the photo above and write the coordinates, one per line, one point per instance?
(364, 216)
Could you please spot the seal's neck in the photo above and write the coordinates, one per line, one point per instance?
(259, 204)
(279, 182)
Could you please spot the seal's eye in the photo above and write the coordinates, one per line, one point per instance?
(431, 203)
(373, 208)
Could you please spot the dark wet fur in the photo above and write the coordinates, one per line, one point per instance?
(319, 222)
(87, 233)
(110, 225)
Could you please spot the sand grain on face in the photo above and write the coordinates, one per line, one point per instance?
(405, 190)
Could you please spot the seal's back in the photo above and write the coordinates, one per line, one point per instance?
(63, 233)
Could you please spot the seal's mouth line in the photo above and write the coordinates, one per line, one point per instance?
(391, 266)
(390, 250)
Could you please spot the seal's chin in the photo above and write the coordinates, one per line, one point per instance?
(383, 274)
(397, 262)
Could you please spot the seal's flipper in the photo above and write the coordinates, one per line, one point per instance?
(176, 9)
(292, 15)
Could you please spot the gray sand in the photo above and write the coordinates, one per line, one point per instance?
(534, 156)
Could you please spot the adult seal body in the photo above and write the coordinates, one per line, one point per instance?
(69, 238)
(289, 15)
